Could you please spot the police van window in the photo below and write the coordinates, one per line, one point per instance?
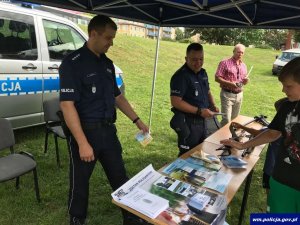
(62, 39)
(17, 37)
(295, 55)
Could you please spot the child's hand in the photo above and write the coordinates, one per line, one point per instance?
(237, 125)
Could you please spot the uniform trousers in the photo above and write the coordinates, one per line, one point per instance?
(230, 105)
(197, 127)
(108, 151)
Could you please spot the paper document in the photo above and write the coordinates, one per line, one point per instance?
(233, 162)
(156, 196)
(206, 157)
(196, 172)
(248, 74)
(219, 113)
(144, 139)
(134, 196)
(145, 202)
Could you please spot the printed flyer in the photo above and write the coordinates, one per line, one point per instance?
(175, 202)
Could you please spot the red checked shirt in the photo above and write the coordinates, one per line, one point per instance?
(229, 70)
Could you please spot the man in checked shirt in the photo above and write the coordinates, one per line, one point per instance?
(232, 76)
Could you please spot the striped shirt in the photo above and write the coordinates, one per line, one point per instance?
(229, 70)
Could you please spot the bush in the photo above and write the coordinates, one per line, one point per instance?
(264, 46)
(186, 40)
(167, 39)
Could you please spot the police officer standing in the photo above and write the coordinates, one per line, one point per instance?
(88, 95)
(191, 99)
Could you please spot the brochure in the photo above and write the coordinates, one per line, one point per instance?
(206, 157)
(219, 113)
(232, 161)
(144, 139)
(183, 170)
(192, 171)
(187, 204)
(209, 166)
(219, 182)
(149, 204)
(131, 195)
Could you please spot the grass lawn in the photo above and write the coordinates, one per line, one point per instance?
(136, 58)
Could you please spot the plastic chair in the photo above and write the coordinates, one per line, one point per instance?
(15, 165)
(51, 107)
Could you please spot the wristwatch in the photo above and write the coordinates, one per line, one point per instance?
(199, 111)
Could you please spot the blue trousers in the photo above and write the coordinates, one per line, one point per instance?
(197, 134)
(108, 151)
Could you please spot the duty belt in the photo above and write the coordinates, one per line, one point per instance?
(96, 125)
(193, 119)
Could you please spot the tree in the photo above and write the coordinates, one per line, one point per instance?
(297, 36)
(231, 36)
(275, 37)
(179, 34)
(212, 35)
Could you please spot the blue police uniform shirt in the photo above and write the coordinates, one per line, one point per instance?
(190, 86)
(90, 82)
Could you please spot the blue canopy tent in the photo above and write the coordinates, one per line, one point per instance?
(282, 14)
(279, 14)
(193, 13)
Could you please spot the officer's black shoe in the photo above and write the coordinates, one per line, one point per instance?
(77, 221)
(134, 220)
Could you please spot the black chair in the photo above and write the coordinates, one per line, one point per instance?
(15, 165)
(51, 107)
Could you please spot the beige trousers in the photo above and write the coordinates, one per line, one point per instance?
(230, 105)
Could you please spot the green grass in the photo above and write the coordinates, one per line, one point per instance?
(136, 58)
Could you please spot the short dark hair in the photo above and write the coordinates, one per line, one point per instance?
(195, 47)
(291, 70)
(100, 22)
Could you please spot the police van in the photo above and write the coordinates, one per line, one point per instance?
(32, 45)
(283, 59)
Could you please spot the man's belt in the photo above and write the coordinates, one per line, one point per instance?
(194, 119)
(230, 91)
(96, 125)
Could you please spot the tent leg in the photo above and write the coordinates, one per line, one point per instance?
(154, 77)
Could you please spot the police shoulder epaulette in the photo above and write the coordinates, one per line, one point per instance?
(75, 57)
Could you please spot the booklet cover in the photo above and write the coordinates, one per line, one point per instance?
(201, 163)
(144, 139)
(187, 204)
(190, 204)
(206, 157)
(232, 161)
(192, 171)
(146, 203)
(132, 195)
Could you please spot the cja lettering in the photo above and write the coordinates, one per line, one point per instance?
(10, 86)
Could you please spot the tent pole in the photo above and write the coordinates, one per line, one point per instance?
(154, 77)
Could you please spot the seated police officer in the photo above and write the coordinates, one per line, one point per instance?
(88, 95)
(191, 99)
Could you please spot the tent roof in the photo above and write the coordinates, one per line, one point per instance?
(193, 13)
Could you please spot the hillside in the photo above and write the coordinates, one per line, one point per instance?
(135, 56)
